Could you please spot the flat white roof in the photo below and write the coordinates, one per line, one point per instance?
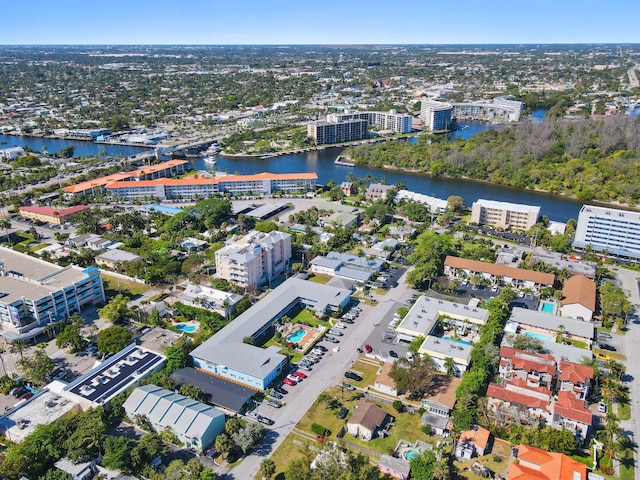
(425, 312)
(512, 207)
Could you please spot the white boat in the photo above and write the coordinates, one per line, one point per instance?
(210, 160)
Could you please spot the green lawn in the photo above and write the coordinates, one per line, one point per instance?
(624, 411)
(127, 287)
(368, 372)
(319, 279)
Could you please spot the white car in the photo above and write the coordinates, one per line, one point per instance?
(340, 325)
(336, 349)
(337, 333)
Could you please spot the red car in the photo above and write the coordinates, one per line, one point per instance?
(299, 374)
(368, 348)
(288, 381)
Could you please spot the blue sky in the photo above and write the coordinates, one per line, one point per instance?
(318, 22)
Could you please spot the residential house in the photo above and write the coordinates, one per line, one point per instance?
(473, 443)
(537, 464)
(115, 257)
(377, 191)
(575, 378)
(366, 420)
(384, 383)
(536, 369)
(439, 403)
(579, 298)
(348, 188)
(394, 467)
(210, 299)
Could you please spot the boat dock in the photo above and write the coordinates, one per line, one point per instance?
(344, 162)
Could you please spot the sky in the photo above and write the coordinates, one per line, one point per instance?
(221, 22)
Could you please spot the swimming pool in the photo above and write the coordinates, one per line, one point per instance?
(296, 336)
(186, 328)
(410, 455)
(457, 340)
(548, 307)
(543, 338)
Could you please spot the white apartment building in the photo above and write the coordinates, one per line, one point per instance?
(35, 293)
(391, 120)
(436, 115)
(11, 153)
(610, 229)
(254, 259)
(436, 205)
(504, 214)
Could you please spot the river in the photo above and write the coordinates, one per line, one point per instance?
(555, 207)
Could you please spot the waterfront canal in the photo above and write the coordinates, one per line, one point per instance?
(322, 162)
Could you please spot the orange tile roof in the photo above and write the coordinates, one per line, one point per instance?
(479, 437)
(500, 270)
(158, 167)
(574, 372)
(579, 289)
(116, 177)
(96, 182)
(174, 182)
(537, 464)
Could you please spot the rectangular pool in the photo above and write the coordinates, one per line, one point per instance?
(548, 307)
(542, 338)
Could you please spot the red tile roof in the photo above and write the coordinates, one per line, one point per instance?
(172, 182)
(501, 393)
(522, 360)
(55, 212)
(537, 464)
(500, 270)
(568, 406)
(579, 289)
(574, 372)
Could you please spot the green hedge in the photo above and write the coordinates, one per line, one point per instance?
(320, 430)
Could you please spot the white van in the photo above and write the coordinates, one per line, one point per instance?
(409, 356)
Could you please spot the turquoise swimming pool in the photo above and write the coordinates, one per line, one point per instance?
(410, 455)
(548, 307)
(296, 336)
(186, 328)
(464, 342)
(543, 338)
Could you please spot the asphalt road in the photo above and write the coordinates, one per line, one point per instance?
(330, 371)
(628, 280)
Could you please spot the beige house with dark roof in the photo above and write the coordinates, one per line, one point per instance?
(366, 420)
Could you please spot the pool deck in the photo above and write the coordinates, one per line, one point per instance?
(196, 325)
(310, 336)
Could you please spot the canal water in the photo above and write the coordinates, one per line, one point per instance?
(321, 161)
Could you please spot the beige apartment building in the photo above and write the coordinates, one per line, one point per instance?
(254, 259)
(504, 214)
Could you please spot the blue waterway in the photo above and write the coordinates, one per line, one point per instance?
(555, 207)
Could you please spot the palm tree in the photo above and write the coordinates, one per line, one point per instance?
(19, 346)
(223, 443)
(610, 435)
(267, 468)
(5, 224)
(450, 366)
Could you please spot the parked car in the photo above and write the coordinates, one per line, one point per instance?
(281, 390)
(393, 354)
(288, 381)
(275, 394)
(340, 325)
(342, 413)
(353, 376)
(348, 386)
(332, 339)
(299, 374)
(604, 335)
(606, 346)
(602, 407)
(368, 348)
(294, 378)
(273, 403)
(337, 333)
(359, 350)
(265, 420)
